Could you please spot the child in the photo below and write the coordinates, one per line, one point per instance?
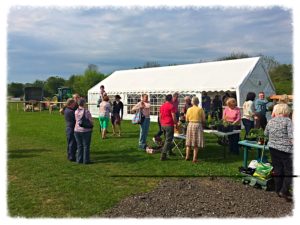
(181, 125)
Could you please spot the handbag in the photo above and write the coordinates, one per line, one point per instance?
(138, 117)
(84, 122)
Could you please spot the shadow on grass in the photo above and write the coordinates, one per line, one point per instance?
(25, 153)
(212, 153)
(124, 156)
(126, 135)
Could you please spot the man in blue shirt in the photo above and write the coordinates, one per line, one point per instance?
(261, 109)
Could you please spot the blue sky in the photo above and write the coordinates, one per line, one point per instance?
(43, 41)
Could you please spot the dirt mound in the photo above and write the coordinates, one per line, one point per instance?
(202, 197)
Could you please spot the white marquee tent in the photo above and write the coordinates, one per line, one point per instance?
(239, 76)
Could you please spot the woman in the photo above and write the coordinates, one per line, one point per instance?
(217, 107)
(284, 99)
(249, 113)
(69, 114)
(232, 114)
(83, 135)
(187, 104)
(116, 119)
(144, 106)
(195, 117)
(279, 130)
(104, 110)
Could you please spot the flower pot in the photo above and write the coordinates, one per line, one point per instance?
(261, 141)
(220, 127)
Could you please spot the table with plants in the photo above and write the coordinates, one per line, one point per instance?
(221, 129)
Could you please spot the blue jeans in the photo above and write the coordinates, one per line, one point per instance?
(144, 128)
(72, 145)
(83, 140)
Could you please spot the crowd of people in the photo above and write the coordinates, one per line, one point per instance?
(279, 129)
(79, 124)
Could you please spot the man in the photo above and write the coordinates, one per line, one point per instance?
(175, 102)
(206, 101)
(75, 97)
(167, 113)
(217, 107)
(261, 109)
(69, 114)
(101, 95)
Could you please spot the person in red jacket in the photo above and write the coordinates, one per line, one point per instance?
(167, 113)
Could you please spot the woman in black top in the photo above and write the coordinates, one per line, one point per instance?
(115, 117)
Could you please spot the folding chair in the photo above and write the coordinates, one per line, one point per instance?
(178, 140)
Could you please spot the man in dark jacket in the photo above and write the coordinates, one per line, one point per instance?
(69, 114)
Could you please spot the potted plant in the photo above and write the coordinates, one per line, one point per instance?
(219, 125)
(228, 127)
(260, 137)
(255, 134)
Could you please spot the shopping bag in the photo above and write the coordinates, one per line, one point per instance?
(138, 117)
(263, 170)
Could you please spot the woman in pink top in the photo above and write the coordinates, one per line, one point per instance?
(144, 106)
(232, 114)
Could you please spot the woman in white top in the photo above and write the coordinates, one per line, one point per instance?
(144, 106)
(249, 112)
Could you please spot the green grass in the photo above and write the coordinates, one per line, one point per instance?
(42, 183)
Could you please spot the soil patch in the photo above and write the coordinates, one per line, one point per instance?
(203, 197)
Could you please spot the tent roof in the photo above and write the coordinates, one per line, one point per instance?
(211, 76)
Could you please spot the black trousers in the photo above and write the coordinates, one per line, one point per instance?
(283, 170)
(160, 132)
(248, 124)
(234, 143)
(71, 144)
(262, 121)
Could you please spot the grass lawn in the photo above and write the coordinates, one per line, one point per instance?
(42, 183)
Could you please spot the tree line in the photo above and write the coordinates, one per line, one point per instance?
(281, 76)
(78, 83)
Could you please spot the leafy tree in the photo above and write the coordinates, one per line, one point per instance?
(151, 64)
(92, 67)
(52, 84)
(282, 78)
(38, 83)
(269, 62)
(70, 82)
(82, 83)
(234, 55)
(15, 89)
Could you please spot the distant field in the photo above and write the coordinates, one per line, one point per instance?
(42, 183)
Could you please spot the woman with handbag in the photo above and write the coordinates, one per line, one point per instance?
(144, 107)
(83, 132)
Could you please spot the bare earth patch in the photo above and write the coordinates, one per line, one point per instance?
(203, 197)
